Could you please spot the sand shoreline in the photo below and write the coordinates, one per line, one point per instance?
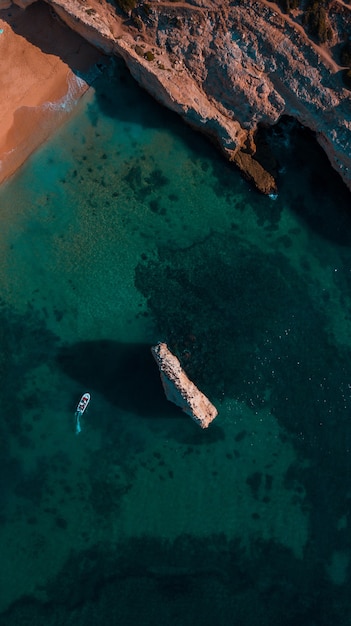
(43, 72)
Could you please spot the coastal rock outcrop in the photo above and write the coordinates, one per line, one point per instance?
(229, 68)
(180, 390)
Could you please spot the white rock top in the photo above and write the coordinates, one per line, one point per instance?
(180, 390)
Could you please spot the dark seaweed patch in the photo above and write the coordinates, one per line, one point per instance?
(209, 580)
(173, 197)
(156, 180)
(155, 206)
(219, 306)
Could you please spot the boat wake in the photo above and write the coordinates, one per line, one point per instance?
(78, 424)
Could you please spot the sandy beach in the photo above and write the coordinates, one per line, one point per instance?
(41, 62)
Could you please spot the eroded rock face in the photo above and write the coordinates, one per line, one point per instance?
(255, 64)
(180, 390)
(228, 67)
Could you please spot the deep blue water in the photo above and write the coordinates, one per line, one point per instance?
(126, 229)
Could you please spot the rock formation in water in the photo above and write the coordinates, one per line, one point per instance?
(180, 390)
(229, 67)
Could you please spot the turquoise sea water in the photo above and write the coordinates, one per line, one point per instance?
(126, 229)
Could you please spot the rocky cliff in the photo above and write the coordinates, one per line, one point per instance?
(229, 67)
(180, 390)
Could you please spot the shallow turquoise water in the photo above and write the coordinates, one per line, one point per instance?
(128, 229)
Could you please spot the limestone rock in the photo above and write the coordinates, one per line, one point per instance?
(180, 390)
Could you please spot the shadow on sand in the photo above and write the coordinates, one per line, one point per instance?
(39, 25)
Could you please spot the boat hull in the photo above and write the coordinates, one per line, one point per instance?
(83, 403)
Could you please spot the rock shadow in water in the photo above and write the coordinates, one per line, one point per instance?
(319, 196)
(125, 374)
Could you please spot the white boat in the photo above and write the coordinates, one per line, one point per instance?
(83, 403)
(81, 406)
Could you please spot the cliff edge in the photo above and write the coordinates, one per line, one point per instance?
(228, 68)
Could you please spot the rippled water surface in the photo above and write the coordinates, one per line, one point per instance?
(127, 229)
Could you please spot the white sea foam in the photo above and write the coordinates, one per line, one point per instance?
(76, 87)
(78, 425)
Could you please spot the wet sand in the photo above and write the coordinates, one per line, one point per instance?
(44, 70)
